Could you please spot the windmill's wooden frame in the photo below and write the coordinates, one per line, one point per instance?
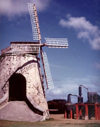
(21, 55)
(50, 42)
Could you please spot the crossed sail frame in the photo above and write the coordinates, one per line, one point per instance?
(50, 43)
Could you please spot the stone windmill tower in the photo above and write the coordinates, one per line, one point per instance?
(22, 95)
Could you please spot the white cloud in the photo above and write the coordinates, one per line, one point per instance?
(18, 7)
(70, 85)
(42, 4)
(84, 28)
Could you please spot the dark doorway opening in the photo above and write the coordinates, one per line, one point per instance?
(17, 91)
(17, 87)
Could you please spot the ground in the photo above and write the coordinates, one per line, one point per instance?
(54, 121)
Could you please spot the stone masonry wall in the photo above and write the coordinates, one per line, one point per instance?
(27, 65)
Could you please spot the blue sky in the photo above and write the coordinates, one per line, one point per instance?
(77, 20)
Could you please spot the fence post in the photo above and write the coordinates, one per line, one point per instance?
(86, 111)
(71, 115)
(77, 112)
(96, 115)
(65, 114)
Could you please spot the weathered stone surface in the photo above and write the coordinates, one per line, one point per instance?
(19, 111)
(26, 64)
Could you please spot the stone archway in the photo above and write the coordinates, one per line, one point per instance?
(17, 87)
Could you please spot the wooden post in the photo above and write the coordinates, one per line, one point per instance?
(86, 111)
(80, 114)
(65, 114)
(71, 115)
(77, 114)
(96, 114)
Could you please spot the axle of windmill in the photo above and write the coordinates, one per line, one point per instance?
(50, 43)
(38, 44)
(21, 58)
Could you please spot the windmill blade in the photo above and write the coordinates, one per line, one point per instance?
(34, 22)
(47, 72)
(56, 42)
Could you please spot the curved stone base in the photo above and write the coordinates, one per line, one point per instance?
(18, 111)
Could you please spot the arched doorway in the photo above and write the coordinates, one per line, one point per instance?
(17, 87)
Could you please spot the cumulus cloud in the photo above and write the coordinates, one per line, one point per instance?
(85, 30)
(62, 89)
(70, 85)
(18, 7)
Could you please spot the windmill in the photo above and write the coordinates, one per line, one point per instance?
(49, 42)
(20, 73)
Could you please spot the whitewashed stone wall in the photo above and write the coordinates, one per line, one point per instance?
(27, 65)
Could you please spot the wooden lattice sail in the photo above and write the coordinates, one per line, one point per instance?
(20, 71)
